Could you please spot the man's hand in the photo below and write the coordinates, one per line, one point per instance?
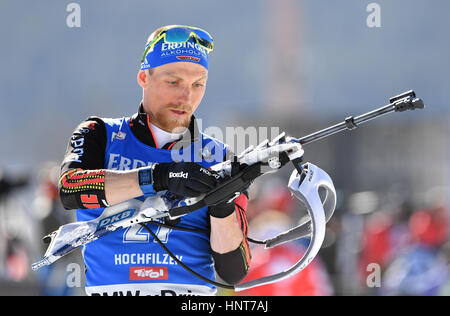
(186, 179)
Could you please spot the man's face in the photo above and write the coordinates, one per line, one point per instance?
(172, 93)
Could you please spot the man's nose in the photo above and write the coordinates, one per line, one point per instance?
(185, 95)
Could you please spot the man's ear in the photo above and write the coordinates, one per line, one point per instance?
(142, 78)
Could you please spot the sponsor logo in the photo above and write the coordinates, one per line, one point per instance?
(180, 174)
(118, 162)
(148, 273)
(90, 200)
(149, 288)
(115, 218)
(209, 173)
(166, 292)
(119, 136)
(191, 58)
(146, 65)
(311, 174)
(148, 259)
(177, 48)
(77, 143)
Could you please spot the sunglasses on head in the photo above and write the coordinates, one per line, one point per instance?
(178, 34)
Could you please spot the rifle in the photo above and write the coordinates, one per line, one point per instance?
(239, 173)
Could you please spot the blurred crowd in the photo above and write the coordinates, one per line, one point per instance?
(377, 243)
(30, 209)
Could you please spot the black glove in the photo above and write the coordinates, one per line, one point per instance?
(185, 179)
(222, 209)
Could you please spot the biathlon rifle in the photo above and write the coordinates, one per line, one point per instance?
(238, 174)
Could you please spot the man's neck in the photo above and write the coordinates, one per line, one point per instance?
(163, 137)
(142, 128)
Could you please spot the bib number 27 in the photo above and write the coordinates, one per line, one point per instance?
(138, 234)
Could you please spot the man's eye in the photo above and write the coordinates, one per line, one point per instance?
(198, 85)
(172, 82)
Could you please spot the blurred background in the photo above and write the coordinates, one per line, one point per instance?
(299, 66)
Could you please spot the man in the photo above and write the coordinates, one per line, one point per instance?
(109, 161)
